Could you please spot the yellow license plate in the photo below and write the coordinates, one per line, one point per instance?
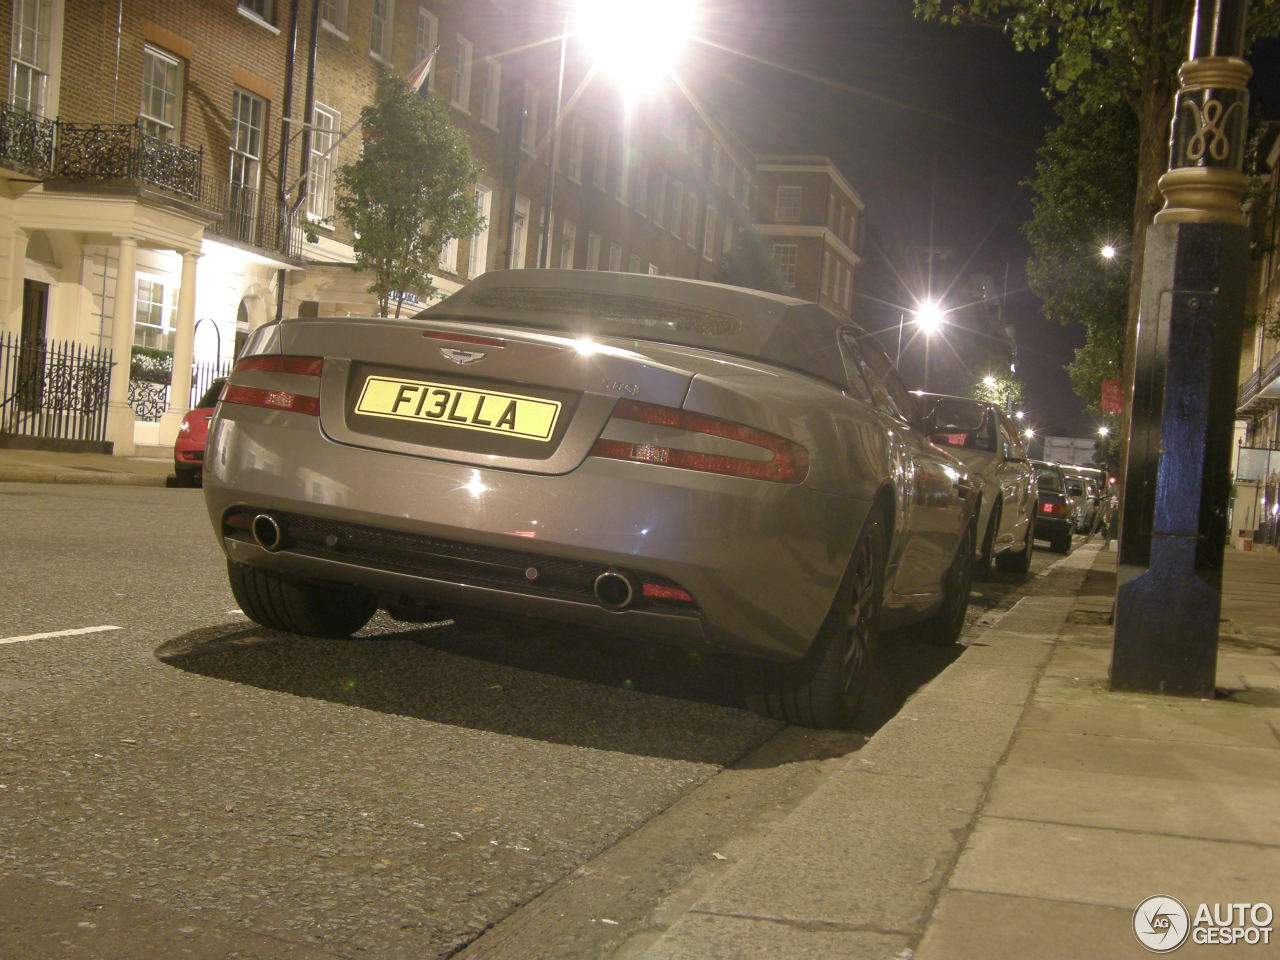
(507, 413)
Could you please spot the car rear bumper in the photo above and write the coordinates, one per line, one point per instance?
(1048, 527)
(761, 560)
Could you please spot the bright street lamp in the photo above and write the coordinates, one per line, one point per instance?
(1108, 252)
(929, 317)
(1104, 431)
(1028, 433)
(989, 382)
(1018, 414)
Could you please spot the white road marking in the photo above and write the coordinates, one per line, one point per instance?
(58, 633)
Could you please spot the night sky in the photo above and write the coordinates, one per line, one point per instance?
(935, 127)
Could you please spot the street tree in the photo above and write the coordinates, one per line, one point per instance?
(1004, 392)
(411, 191)
(1079, 205)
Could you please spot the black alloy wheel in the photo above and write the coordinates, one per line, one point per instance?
(826, 688)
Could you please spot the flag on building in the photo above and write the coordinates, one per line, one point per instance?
(419, 75)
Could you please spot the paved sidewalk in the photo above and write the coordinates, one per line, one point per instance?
(45, 466)
(1018, 809)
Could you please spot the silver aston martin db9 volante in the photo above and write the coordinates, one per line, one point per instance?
(652, 457)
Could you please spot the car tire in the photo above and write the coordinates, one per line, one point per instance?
(1019, 562)
(825, 689)
(945, 626)
(299, 606)
(983, 565)
(1061, 542)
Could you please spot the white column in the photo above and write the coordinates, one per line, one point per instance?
(183, 352)
(120, 417)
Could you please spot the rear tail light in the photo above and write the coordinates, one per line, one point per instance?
(788, 462)
(1049, 507)
(275, 399)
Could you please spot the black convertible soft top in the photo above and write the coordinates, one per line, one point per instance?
(748, 323)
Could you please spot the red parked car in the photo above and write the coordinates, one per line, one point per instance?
(188, 449)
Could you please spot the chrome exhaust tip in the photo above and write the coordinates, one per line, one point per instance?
(615, 589)
(267, 532)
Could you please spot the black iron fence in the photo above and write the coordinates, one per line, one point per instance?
(202, 377)
(122, 152)
(53, 390)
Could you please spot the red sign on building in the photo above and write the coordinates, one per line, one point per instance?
(1112, 396)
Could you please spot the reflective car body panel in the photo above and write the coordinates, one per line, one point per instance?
(989, 447)
(429, 494)
(1055, 509)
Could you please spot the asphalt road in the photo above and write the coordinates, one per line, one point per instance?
(185, 784)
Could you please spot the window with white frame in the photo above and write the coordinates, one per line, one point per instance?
(29, 55)
(448, 259)
(600, 168)
(325, 122)
(568, 241)
(787, 207)
(381, 17)
(263, 9)
(248, 125)
(615, 257)
(709, 235)
(677, 208)
(593, 251)
(653, 270)
(479, 261)
(826, 273)
(576, 146)
(161, 94)
(424, 44)
(519, 234)
(491, 98)
(529, 119)
(786, 256)
(636, 265)
(334, 13)
(155, 308)
(463, 50)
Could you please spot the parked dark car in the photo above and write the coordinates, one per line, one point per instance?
(658, 458)
(1055, 509)
(193, 432)
(982, 437)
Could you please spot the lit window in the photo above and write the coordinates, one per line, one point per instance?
(462, 74)
(480, 242)
(161, 94)
(153, 314)
(788, 204)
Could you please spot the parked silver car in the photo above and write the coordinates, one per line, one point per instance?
(658, 458)
(985, 440)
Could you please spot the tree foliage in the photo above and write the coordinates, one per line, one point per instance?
(749, 263)
(1004, 392)
(1079, 204)
(411, 191)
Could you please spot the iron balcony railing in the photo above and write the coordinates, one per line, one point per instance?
(26, 141)
(251, 216)
(1257, 381)
(107, 152)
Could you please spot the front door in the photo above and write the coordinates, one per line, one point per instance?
(31, 347)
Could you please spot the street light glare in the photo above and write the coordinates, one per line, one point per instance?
(636, 43)
(929, 317)
(989, 382)
(1104, 431)
(1028, 433)
(1108, 252)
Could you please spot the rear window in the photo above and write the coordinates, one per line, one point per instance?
(1049, 479)
(210, 397)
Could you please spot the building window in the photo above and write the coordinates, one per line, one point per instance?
(480, 242)
(636, 264)
(29, 55)
(153, 315)
(826, 273)
(248, 122)
(593, 251)
(726, 236)
(653, 270)
(462, 74)
(576, 138)
(334, 13)
(161, 94)
(568, 240)
(715, 161)
(381, 18)
(786, 255)
(263, 9)
(709, 236)
(519, 234)
(326, 123)
(600, 169)
(691, 219)
(425, 43)
(677, 208)
(640, 199)
(659, 194)
(615, 257)
(448, 259)
(788, 204)
(848, 288)
(491, 96)
(529, 120)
